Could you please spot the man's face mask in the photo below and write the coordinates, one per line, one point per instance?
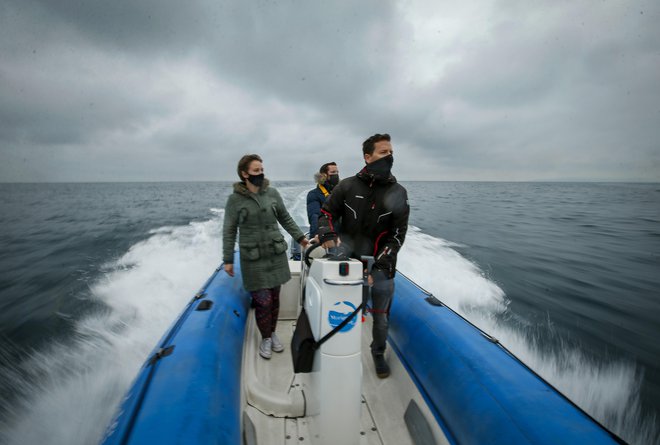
(332, 181)
(382, 166)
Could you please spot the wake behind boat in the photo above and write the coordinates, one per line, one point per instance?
(450, 383)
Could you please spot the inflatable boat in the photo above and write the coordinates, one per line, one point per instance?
(450, 383)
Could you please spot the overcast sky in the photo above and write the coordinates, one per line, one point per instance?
(171, 90)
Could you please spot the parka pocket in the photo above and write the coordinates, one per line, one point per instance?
(279, 246)
(250, 252)
(242, 215)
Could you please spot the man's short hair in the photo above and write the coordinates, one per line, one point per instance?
(368, 145)
(244, 164)
(325, 167)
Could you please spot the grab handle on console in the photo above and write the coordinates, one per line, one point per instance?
(342, 283)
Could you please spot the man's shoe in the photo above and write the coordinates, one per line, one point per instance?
(277, 345)
(265, 348)
(382, 368)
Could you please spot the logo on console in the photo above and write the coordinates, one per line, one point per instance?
(339, 312)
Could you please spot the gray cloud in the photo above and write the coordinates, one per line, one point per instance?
(156, 90)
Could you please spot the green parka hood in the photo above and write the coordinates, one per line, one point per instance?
(241, 188)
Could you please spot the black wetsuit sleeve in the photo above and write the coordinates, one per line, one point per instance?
(396, 235)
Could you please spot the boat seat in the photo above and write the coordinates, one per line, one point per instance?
(272, 409)
(267, 383)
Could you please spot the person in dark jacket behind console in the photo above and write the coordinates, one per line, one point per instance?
(326, 180)
(373, 210)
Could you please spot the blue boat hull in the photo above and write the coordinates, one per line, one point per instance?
(478, 392)
(193, 394)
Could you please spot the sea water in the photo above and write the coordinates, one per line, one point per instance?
(565, 275)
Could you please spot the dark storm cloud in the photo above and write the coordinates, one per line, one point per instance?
(311, 54)
(144, 26)
(178, 90)
(57, 89)
(318, 51)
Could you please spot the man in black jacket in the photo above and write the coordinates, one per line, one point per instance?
(373, 210)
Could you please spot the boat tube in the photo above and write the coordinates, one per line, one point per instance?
(188, 391)
(480, 392)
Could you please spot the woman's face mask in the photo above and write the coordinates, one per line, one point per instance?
(256, 180)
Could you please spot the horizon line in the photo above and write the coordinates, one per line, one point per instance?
(591, 181)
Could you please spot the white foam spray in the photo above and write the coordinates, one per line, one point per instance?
(69, 391)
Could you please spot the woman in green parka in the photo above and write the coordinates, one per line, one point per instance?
(253, 211)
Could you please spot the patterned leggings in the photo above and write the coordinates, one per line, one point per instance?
(266, 304)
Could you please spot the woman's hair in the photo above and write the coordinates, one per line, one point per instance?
(244, 164)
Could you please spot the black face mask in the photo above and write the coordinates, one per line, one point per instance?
(332, 181)
(256, 180)
(381, 167)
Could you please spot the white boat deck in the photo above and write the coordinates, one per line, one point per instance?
(384, 401)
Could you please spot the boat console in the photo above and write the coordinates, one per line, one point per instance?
(333, 389)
